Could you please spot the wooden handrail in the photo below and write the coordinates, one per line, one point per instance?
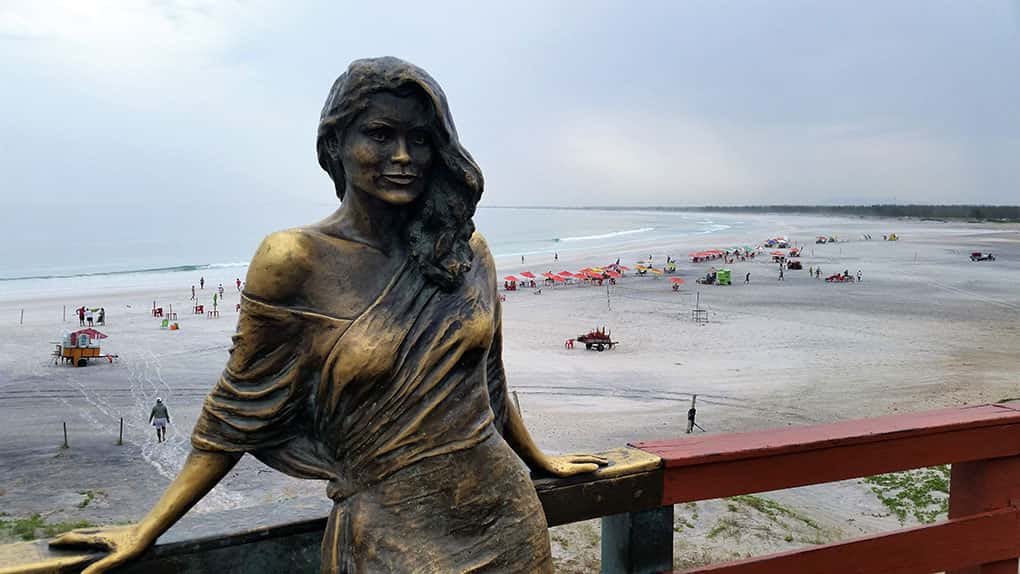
(742, 463)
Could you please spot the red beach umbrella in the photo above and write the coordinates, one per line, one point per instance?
(565, 274)
(510, 278)
(92, 333)
(527, 274)
(676, 280)
(613, 274)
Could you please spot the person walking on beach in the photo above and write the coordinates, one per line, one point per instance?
(781, 273)
(858, 275)
(89, 316)
(192, 292)
(522, 259)
(81, 316)
(201, 282)
(102, 316)
(556, 256)
(238, 282)
(220, 289)
(747, 278)
(214, 300)
(159, 417)
(818, 272)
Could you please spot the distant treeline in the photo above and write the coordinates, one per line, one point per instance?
(971, 212)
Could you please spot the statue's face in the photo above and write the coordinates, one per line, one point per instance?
(387, 150)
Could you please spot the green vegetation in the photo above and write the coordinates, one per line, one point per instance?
(922, 492)
(36, 526)
(773, 509)
(728, 526)
(89, 495)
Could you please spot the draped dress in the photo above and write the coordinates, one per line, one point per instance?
(401, 409)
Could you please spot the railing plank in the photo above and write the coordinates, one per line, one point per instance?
(701, 449)
(948, 545)
(726, 465)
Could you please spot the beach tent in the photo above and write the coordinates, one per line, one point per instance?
(92, 334)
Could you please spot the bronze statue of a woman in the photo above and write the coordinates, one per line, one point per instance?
(368, 354)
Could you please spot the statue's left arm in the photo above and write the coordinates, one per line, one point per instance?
(508, 419)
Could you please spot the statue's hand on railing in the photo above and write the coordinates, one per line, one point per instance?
(125, 544)
(570, 464)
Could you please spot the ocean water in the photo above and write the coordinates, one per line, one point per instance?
(91, 249)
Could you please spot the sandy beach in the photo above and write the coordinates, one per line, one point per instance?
(926, 328)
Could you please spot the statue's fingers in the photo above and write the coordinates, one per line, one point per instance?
(77, 539)
(584, 458)
(582, 468)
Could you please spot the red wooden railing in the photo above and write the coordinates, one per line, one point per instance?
(982, 534)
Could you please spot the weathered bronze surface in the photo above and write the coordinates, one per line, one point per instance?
(368, 354)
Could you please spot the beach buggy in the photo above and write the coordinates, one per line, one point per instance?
(598, 339)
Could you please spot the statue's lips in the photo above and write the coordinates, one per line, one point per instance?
(399, 179)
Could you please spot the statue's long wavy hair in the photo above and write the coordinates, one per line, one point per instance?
(439, 226)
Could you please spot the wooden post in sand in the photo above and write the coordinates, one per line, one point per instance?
(65, 435)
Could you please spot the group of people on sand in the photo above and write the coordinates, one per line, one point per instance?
(218, 294)
(89, 317)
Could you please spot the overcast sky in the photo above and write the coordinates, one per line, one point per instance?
(562, 103)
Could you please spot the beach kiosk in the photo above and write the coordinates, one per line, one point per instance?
(78, 347)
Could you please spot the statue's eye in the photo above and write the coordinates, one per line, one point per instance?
(419, 139)
(378, 134)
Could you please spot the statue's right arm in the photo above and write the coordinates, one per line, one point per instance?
(202, 471)
(276, 275)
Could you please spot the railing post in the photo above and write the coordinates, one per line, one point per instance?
(638, 542)
(981, 486)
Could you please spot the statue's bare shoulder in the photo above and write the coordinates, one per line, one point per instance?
(281, 266)
(483, 259)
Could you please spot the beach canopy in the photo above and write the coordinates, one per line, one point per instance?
(778, 253)
(565, 274)
(510, 278)
(557, 279)
(613, 274)
(580, 276)
(92, 333)
(527, 274)
(676, 280)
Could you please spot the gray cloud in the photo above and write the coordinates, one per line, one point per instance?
(573, 102)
